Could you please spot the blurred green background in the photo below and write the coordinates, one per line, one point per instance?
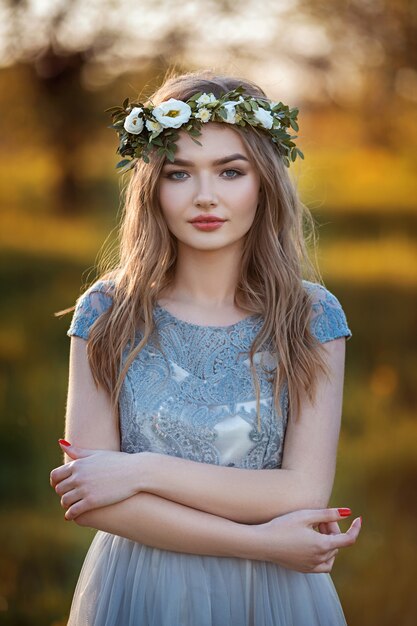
(351, 68)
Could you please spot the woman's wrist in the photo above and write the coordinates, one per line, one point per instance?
(261, 544)
(250, 542)
(152, 471)
(148, 471)
(143, 471)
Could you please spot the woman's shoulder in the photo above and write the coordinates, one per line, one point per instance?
(90, 305)
(328, 318)
(102, 285)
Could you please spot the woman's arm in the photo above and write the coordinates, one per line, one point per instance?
(157, 522)
(289, 540)
(255, 496)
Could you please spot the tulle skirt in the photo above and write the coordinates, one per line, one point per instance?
(125, 583)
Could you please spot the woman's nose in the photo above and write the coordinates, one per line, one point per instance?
(205, 194)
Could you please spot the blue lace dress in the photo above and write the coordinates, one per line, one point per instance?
(193, 397)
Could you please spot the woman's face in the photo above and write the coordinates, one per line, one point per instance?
(195, 185)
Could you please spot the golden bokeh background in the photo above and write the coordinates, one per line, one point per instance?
(351, 68)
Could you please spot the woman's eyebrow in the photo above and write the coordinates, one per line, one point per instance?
(226, 159)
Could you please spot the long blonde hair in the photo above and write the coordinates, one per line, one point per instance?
(275, 259)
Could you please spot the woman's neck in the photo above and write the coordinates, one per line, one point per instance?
(204, 286)
(206, 277)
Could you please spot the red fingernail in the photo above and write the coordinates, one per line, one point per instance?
(63, 442)
(344, 512)
(361, 519)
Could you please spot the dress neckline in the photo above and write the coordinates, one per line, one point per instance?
(241, 322)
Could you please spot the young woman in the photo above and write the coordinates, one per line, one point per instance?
(206, 380)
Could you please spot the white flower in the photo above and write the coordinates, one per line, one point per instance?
(153, 126)
(230, 107)
(203, 114)
(206, 98)
(264, 117)
(172, 113)
(133, 122)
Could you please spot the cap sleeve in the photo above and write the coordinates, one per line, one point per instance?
(90, 305)
(328, 319)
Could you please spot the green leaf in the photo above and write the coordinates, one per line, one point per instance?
(125, 103)
(123, 163)
(195, 96)
(113, 109)
(294, 124)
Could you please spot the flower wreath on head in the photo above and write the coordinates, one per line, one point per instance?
(144, 128)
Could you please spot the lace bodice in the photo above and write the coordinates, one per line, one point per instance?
(194, 397)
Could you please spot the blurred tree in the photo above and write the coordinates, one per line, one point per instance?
(379, 39)
(66, 111)
(67, 108)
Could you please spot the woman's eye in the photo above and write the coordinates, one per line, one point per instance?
(234, 172)
(172, 175)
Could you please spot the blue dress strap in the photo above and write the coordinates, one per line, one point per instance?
(328, 319)
(89, 306)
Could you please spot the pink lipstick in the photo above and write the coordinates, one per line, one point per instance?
(207, 222)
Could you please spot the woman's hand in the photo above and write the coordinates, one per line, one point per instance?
(94, 478)
(291, 540)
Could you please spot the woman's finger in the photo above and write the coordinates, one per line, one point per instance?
(315, 516)
(76, 509)
(332, 554)
(323, 528)
(328, 528)
(59, 473)
(348, 538)
(64, 486)
(69, 498)
(324, 566)
(333, 528)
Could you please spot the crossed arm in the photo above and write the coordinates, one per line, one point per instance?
(215, 505)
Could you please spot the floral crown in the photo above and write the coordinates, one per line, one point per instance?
(144, 128)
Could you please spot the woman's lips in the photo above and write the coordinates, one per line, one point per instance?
(207, 221)
(207, 225)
